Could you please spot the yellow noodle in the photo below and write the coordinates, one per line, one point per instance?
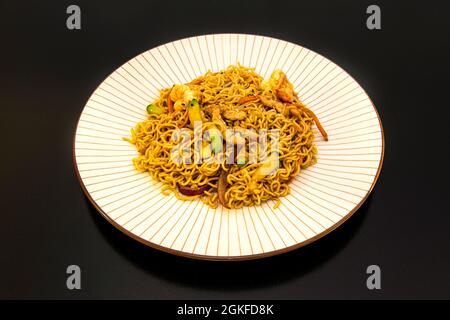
(153, 140)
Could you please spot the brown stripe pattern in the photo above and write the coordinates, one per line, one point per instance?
(322, 197)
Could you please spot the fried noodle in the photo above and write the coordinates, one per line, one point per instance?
(157, 137)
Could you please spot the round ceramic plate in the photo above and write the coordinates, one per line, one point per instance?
(322, 197)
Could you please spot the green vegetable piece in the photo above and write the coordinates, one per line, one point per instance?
(154, 109)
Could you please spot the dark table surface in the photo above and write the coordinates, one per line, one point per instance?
(48, 72)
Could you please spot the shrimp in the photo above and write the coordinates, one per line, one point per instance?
(181, 94)
(280, 85)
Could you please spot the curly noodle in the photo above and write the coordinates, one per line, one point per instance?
(234, 90)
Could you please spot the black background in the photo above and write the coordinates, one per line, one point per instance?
(48, 72)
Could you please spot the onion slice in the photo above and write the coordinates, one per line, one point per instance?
(187, 191)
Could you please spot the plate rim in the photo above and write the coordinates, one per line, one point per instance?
(239, 257)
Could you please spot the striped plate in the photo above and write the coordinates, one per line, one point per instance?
(322, 197)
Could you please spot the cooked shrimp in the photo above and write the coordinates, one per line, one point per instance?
(181, 94)
(280, 85)
(285, 89)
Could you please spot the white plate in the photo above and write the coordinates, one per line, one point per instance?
(322, 196)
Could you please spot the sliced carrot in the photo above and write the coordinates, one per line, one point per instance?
(316, 120)
(247, 99)
(170, 105)
(197, 81)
